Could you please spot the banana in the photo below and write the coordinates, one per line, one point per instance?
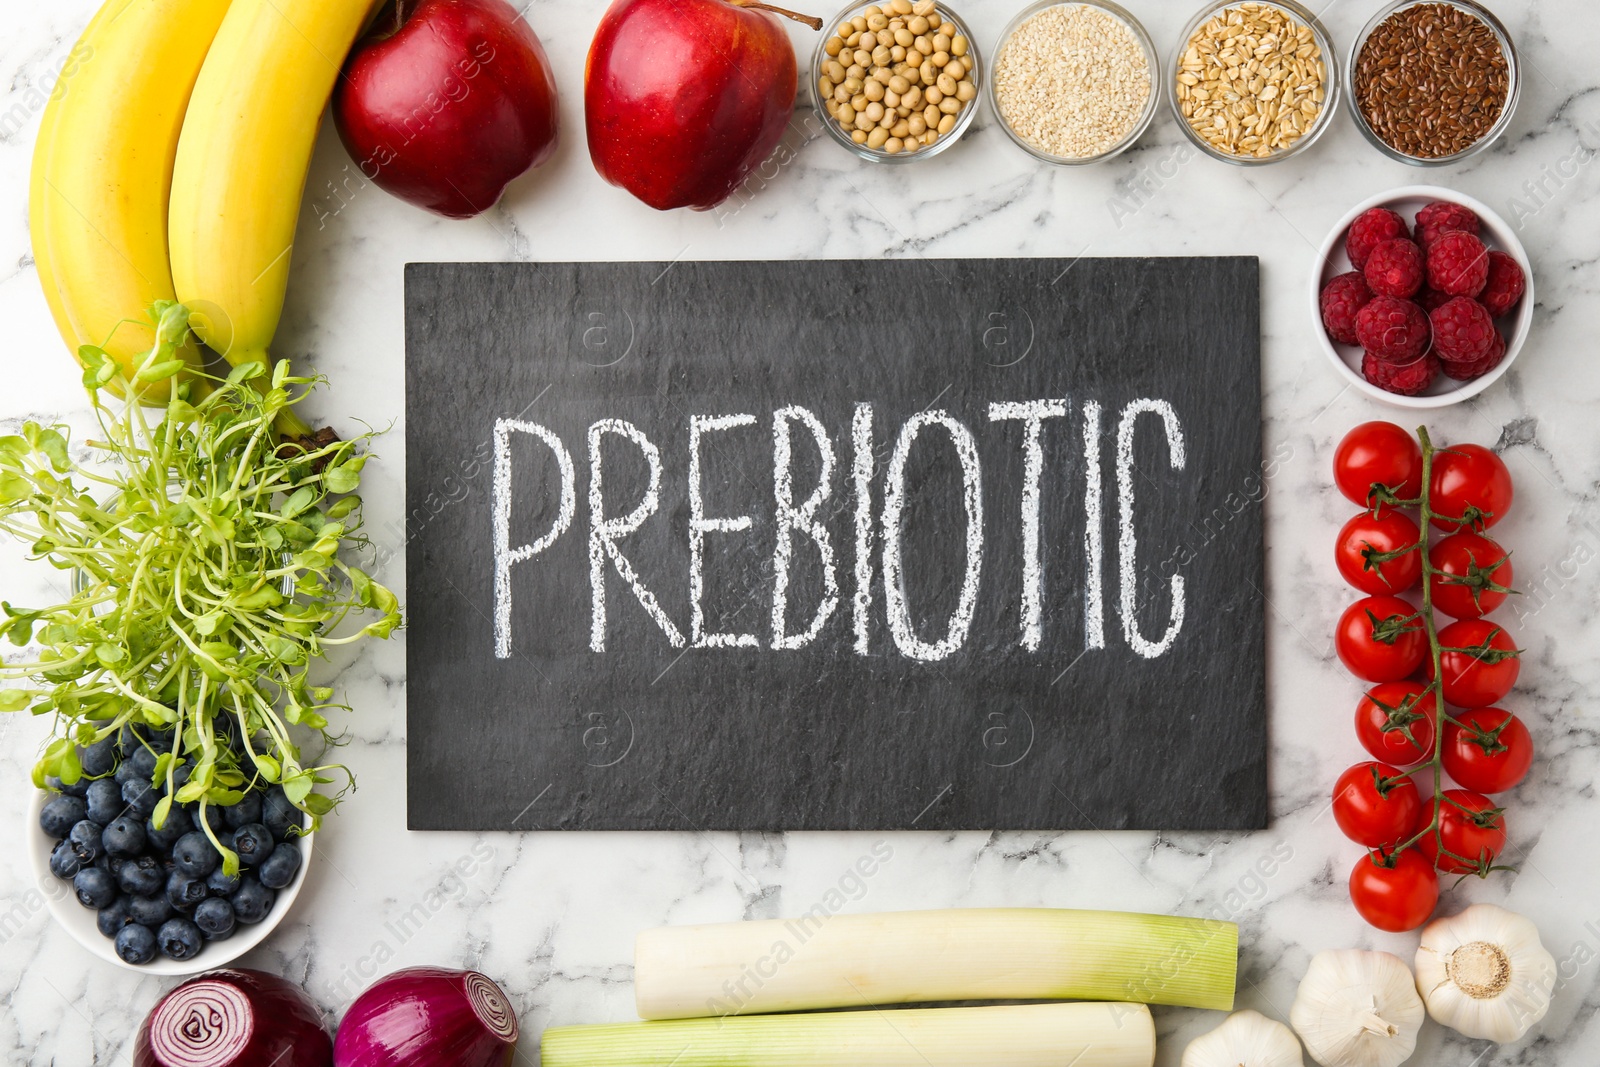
(243, 160)
(103, 167)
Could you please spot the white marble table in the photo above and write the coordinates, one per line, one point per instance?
(552, 916)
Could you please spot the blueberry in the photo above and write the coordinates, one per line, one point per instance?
(184, 892)
(214, 817)
(221, 884)
(136, 944)
(133, 738)
(279, 869)
(99, 758)
(180, 939)
(143, 762)
(60, 814)
(178, 823)
(95, 888)
(195, 855)
(214, 917)
(141, 798)
(125, 773)
(113, 917)
(64, 862)
(253, 843)
(253, 900)
(278, 813)
(80, 788)
(244, 813)
(104, 800)
(124, 836)
(150, 911)
(85, 841)
(142, 877)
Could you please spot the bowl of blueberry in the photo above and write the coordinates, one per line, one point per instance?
(156, 898)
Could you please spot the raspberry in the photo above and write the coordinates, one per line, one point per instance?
(1407, 380)
(1341, 299)
(1431, 298)
(1395, 268)
(1458, 264)
(1463, 332)
(1505, 286)
(1372, 228)
(1439, 218)
(1392, 329)
(1465, 372)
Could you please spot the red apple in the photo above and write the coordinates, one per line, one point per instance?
(683, 97)
(446, 101)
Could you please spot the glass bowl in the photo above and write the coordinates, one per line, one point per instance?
(1152, 61)
(1331, 87)
(1513, 82)
(876, 155)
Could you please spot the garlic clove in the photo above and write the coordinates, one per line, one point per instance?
(1485, 973)
(1357, 1009)
(1245, 1039)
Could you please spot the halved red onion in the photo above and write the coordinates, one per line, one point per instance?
(425, 1016)
(233, 1018)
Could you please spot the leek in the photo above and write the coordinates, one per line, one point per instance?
(848, 961)
(1012, 1035)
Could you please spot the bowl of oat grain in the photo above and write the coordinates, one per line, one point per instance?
(1073, 83)
(1253, 82)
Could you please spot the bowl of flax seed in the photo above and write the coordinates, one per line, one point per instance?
(1433, 82)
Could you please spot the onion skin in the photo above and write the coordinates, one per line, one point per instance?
(422, 1016)
(234, 1018)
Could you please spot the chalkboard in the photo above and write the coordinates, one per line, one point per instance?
(908, 544)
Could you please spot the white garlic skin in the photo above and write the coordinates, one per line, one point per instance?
(1485, 974)
(1357, 1009)
(1245, 1039)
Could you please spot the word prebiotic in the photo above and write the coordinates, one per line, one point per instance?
(870, 560)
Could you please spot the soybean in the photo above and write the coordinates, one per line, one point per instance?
(909, 75)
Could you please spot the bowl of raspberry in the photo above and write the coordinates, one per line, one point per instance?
(1423, 297)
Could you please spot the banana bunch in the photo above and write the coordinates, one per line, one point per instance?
(171, 162)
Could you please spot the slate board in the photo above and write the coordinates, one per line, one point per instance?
(992, 735)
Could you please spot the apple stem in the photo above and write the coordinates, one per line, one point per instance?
(754, 5)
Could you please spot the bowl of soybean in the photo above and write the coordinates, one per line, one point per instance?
(896, 82)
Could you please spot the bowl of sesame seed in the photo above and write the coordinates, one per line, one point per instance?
(1073, 83)
(1253, 82)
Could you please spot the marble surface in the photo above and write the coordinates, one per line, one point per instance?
(552, 916)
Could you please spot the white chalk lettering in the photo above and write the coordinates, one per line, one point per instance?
(1126, 547)
(604, 532)
(803, 518)
(861, 473)
(506, 557)
(1032, 414)
(1094, 549)
(699, 526)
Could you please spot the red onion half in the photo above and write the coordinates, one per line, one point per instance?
(234, 1018)
(422, 1016)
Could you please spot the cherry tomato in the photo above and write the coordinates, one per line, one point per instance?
(1394, 893)
(1381, 639)
(1366, 537)
(1473, 831)
(1378, 453)
(1475, 575)
(1376, 805)
(1486, 672)
(1487, 750)
(1470, 487)
(1395, 723)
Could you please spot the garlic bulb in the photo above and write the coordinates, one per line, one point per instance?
(1485, 973)
(1357, 1009)
(1245, 1039)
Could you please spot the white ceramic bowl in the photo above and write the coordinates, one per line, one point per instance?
(79, 921)
(1496, 234)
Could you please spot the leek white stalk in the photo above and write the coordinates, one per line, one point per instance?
(1485, 973)
(1245, 1039)
(848, 961)
(1357, 1009)
(1013, 1035)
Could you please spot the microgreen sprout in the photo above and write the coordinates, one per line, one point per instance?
(213, 567)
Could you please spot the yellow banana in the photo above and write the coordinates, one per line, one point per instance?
(103, 170)
(243, 160)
